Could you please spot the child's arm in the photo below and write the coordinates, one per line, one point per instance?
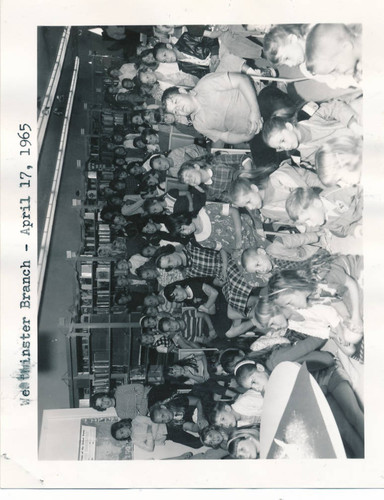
(201, 421)
(206, 318)
(183, 343)
(148, 444)
(235, 214)
(336, 110)
(297, 352)
(212, 294)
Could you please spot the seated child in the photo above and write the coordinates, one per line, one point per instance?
(334, 49)
(190, 325)
(175, 201)
(332, 119)
(336, 209)
(177, 413)
(215, 176)
(193, 292)
(141, 431)
(339, 161)
(244, 412)
(162, 343)
(244, 443)
(214, 436)
(191, 370)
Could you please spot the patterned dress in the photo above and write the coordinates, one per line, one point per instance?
(219, 230)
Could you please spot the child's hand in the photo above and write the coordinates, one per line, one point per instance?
(202, 422)
(255, 124)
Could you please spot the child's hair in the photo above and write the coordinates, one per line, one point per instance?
(175, 222)
(125, 422)
(146, 132)
(274, 102)
(153, 411)
(243, 370)
(248, 254)
(315, 48)
(140, 62)
(276, 124)
(150, 265)
(157, 47)
(138, 143)
(202, 161)
(149, 202)
(204, 433)
(289, 280)
(338, 153)
(277, 38)
(143, 70)
(154, 157)
(227, 359)
(239, 189)
(263, 311)
(119, 296)
(169, 290)
(218, 408)
(95, 397)
(168, 94)
(160, 324)
(236, 437)
(300, 199)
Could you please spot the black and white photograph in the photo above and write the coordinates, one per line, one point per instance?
(194, 238)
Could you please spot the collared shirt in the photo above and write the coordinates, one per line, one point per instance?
(202, 262)
(236, 290)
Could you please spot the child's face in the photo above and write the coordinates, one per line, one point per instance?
(192, 177)
(293, 299)
(151, 311)
(148, 251)
(214, 438)
(148, 58)
(152, 139)
(148, 78)
(119, 220)
(123, 265)
(149, 274)
(149, 117)
(115, 73)
(186, 230)
(163, 416)
(285, 139)
(176, 371)
(278, 322)
(173, 325)
(171, 261)
(256, 381)
(122, 175)
(179, 294)
(105, 402)
(149, 323)
(314, 215)
(164, 28)
(122, 281)
(226, 418)
(120, 162)
(348, 178)
(123, 433)
(161, 163)
(150, 228)
(251, 200)
(124, 299)
(151, 300)
(166, 56)
(259, 263)
(292, 53)
(181, 104)
(137, 170)
(169, 118)
(128, 84)
(247, 449)
(137, 120)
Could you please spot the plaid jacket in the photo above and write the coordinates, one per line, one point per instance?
(236, 290)
(222, 178)
(202, 262)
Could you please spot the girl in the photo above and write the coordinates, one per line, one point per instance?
(338, 162)
(214, 436)
(285, 44)
(193, 292)
(332, 119)
(244, 443)
(217, 226)
(141, 431)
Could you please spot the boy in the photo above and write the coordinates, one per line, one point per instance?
(336, 209)
(334, 49)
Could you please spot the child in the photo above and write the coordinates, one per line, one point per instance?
(337, 209)
(217, 226)
(338, 162)
(244, 443)
(285, 44)
(191, 370)
(193, 292)
(141, 431)
(332, 119)
(334, 49)
(214, 436)
(215, 176)
(175, 201)
(162, 343)
(230, 416)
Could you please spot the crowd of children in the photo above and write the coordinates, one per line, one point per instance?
(257, 256)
